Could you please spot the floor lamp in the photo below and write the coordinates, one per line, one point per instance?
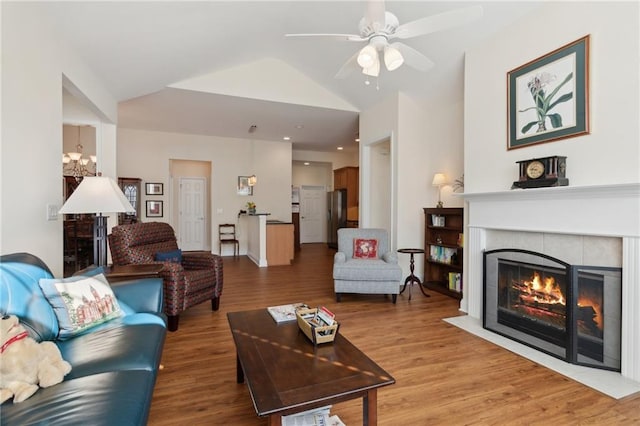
(97, 195)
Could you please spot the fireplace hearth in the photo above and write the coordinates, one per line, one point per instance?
(572, 312)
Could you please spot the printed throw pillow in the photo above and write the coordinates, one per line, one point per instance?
(80, 303)
(174, 256)
(365, 249)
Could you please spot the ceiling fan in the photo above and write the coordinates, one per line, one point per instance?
(379, 26)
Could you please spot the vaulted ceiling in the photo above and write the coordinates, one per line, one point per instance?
(218, 67)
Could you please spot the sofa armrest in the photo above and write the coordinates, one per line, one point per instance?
(141, 295)
(199, 260)
(390, 257)
(339, 257)
(194, 260)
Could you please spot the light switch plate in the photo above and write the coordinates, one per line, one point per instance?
(52, 212)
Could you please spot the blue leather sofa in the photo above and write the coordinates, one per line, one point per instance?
(114, 365)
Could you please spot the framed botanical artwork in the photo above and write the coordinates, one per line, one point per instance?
(154, 208)
(548, 98)
(243, 186)
(154, 189)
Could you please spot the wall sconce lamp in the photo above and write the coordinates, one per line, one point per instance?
(439, 179)
(252, 180)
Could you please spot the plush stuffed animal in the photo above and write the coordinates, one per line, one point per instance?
(25, 363)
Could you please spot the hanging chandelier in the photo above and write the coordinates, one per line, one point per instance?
(77, 166)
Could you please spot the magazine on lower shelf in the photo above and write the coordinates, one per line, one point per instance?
(316, 417)
(285, 313)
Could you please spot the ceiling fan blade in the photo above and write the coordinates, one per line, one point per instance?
(439, 22)
(374, 15)
(349, 67)
(339, 37)
(413, 58)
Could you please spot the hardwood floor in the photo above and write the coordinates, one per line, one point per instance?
(444, 375)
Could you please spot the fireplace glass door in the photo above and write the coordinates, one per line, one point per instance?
(571, 312)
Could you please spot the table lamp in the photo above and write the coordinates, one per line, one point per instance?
(439, 179)
(97, 195)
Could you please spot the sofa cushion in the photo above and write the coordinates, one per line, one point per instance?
(106, 399)
(119, 347)
(80, 303)
(367, 270)
(365, 248)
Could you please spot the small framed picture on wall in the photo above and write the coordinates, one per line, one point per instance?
(154, 189)
(154, 208)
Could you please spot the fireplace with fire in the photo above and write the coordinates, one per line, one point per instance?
(572, 312)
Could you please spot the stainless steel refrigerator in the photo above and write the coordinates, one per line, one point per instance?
(337, 215)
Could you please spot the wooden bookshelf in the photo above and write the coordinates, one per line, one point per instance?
(443, 253)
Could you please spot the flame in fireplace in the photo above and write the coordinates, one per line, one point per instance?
(545, 290)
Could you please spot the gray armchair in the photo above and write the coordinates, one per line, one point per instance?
(380, 274)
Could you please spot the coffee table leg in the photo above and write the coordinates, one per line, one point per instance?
(370, 408)
(239, 371)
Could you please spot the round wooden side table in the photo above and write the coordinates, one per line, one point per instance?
(411, 279)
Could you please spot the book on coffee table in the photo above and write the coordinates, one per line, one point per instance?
(284, 313)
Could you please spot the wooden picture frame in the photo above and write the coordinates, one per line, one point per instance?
(154, 188)
(243, 186)
(548, 98)
(154, 208)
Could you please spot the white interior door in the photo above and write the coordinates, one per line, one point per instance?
(192, 213)
(313, 219)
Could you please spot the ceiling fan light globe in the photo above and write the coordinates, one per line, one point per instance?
(368, 56)
(392, 58)
(372, 71)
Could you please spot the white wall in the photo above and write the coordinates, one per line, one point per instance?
(146, 154)
(611, 153)
(314, 174)
(337, 159)
(34, 65)
(424, 140)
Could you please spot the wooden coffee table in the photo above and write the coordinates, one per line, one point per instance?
(286, 374)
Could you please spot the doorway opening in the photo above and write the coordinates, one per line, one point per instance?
(191, 201)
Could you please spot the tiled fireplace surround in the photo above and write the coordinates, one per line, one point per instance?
(588, 225)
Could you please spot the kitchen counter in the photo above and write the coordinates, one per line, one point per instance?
(270, 242)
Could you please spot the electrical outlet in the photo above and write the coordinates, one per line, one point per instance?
(52, 211)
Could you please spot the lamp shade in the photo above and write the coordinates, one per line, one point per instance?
(97, 194)
(368, 56)
(373, 70)
(439, 179)
(392, 58)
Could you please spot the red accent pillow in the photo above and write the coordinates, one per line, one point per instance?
(365, 249)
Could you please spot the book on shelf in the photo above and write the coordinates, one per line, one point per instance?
(285, 313)
(441, 254)
(455, 281)
(437, 220)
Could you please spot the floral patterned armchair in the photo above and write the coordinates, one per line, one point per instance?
(189, 279)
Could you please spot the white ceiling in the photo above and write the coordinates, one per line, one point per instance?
(141, 48)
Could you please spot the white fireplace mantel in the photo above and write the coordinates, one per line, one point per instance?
(599, 210)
